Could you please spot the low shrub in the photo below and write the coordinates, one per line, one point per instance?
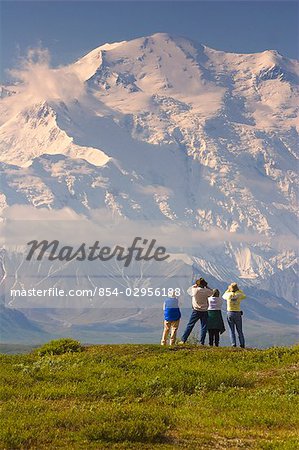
(59, 347)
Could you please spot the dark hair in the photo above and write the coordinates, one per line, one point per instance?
(201, 282)
(216, 293)
(233, 287)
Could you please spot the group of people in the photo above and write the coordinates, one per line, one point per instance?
(206, 307)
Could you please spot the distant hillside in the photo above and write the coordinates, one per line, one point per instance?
(15, 327)
(266, 323)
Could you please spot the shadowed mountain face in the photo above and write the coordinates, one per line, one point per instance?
(16, 327)
(162, 128)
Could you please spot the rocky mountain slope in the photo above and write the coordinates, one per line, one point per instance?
(165, 130)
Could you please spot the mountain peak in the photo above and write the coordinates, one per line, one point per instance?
(163, 45)
(161, 127)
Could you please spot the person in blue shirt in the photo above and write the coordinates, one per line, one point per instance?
(172, 315)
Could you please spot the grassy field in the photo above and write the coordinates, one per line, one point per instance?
(150, 397)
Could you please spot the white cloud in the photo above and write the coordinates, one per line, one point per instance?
(37, 82)
(72, 228)
(155, 190)
(30, 213)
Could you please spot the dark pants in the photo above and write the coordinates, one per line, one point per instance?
(214, 336)
(195, 317)
(234, 319)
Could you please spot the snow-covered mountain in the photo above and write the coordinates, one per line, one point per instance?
(162, 128)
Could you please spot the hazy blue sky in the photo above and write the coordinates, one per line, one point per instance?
(71, 28)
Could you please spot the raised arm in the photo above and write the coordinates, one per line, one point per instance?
(226, 295)
(192, 290)
(240, 294)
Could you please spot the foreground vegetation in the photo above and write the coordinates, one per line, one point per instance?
(150, 397)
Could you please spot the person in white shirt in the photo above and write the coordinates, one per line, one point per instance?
(215, 320)
(199, 293)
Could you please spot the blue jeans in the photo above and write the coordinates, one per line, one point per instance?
(195, 317)
(234, 319)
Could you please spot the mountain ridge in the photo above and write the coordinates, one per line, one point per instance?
(170, 130)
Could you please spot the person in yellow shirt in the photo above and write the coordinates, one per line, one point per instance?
(233, 296)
